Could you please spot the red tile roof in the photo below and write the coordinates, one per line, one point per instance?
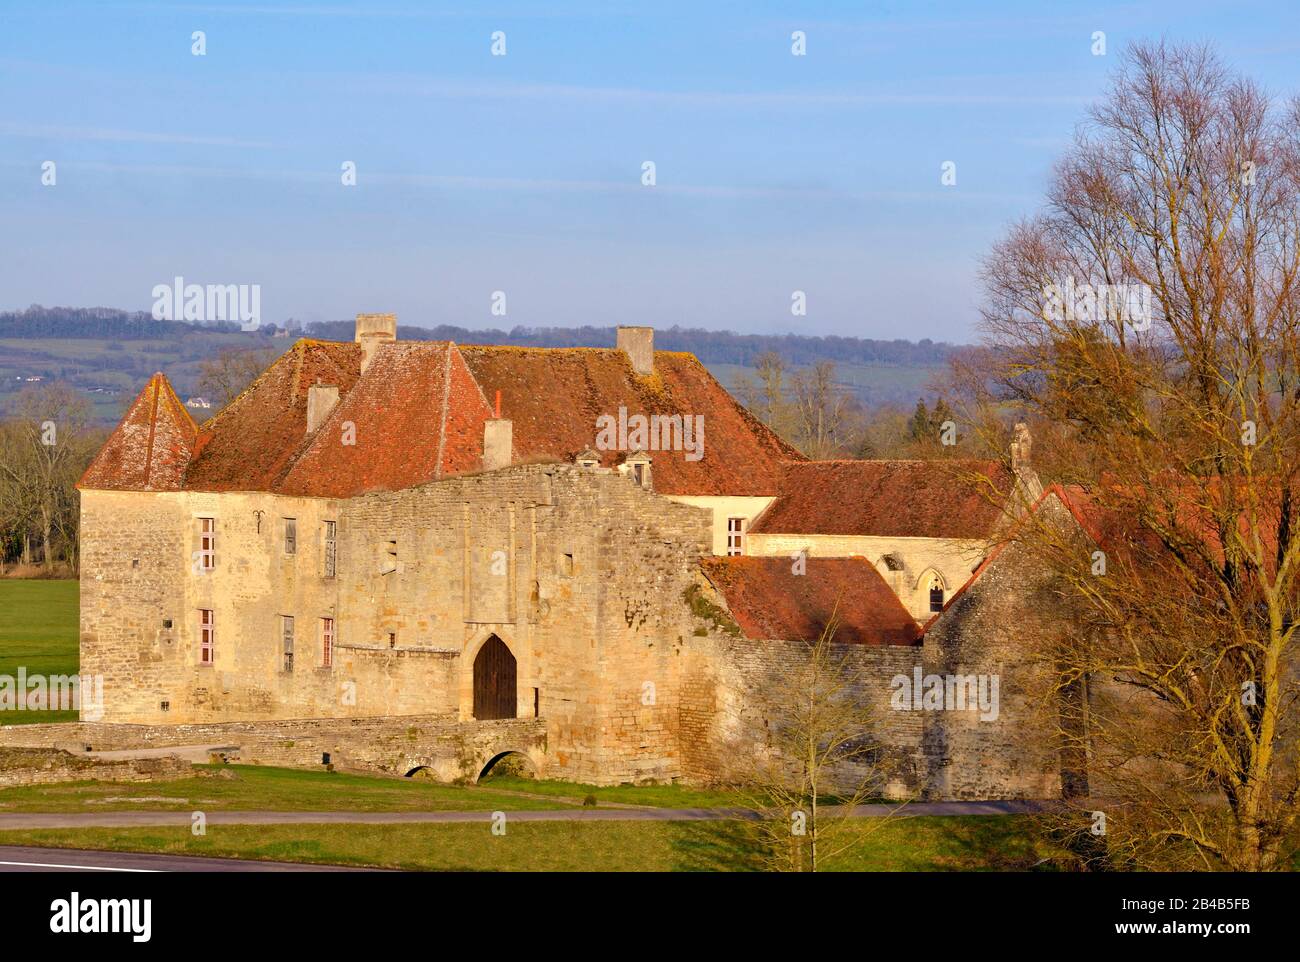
(554, 397)
(252, 444)
(418, 412)
(769, 601)
(151, 446)
(416, 416)
(957, 499)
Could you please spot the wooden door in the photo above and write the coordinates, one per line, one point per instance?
(494, 681)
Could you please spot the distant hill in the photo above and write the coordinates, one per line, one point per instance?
(110, 353)
(711, 347)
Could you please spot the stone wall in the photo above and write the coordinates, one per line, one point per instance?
(579, 572)
(452, 750)
(49, 766)
(731, 699)
(997, 628)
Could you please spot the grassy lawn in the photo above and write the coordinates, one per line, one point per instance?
(246, 787)
(657, 796)
(989, 843)
(38, 630)
(255, 787)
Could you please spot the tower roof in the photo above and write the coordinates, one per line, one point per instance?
(151, 448)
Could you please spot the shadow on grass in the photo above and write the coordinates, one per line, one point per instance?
(723, 846)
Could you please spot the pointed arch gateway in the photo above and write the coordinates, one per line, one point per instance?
(495, 680)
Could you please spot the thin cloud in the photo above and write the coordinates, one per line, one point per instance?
(457, 90)
(123, 136)
(453, 182)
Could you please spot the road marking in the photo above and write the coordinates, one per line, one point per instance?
(88, 868)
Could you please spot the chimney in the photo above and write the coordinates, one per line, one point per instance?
(638, 343)
(1028, 488)
(321, 399)
(498, 443)
(372, 331)
(1021, 444)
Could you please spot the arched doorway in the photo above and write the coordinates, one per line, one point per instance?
(494, 681)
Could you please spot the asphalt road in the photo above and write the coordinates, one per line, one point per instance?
(19, 821)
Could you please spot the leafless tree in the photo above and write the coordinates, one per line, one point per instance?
(809, 759)
(45, 447)
(225, 376)
(1180, 425)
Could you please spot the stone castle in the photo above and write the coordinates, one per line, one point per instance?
(399, 554)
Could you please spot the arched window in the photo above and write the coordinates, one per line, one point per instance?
(936, 592)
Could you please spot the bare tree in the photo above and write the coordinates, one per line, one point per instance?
(46, 447)
(1146, 322)
(764, 394)
(820, 409)
(812, 746)
(225, 376)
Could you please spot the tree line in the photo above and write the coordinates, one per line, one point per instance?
(46, 443)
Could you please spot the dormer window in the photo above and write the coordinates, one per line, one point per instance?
(637, 467)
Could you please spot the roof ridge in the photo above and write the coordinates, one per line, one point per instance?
(446, 404)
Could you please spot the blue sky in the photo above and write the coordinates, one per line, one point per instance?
(522, 173)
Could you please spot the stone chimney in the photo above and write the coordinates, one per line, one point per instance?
(372, 331)
(498, 443)
(1021, 445)
(321, 399)
(1028, 487)
(638, 343)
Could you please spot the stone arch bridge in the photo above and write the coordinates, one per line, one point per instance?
(452, 750)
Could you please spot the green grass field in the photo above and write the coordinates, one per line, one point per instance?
(993, 843)
(38, 631)
(254, 787)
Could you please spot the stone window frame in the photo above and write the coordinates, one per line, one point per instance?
(736, 530)
(291, 536)
(207, 637)
(286, 638)
(933, 581)
(327, 640)
(331, 548)
(207, 544)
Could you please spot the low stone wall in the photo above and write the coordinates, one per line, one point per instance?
(48, 766)
(451, 749)
(729, 706)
